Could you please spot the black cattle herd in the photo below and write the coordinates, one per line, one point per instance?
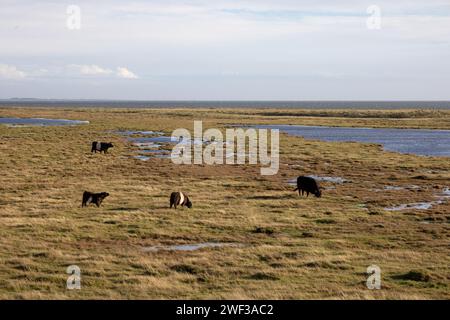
(304, 185)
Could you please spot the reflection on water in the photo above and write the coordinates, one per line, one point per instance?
(441, 198)
(42, 122)
(393, 188)
(148, 147)
(416, 141)
(153, 151)
(130, 132)
(154, 144)
(159, 139)
(143, 158)
(337, 180)
(417, 206)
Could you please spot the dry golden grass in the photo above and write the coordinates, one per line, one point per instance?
(319, 248)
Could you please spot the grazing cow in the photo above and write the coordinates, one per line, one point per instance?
(101, 146)
(179, 199)
(95, 198)
(308, 185)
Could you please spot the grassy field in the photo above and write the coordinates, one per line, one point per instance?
(285, 246)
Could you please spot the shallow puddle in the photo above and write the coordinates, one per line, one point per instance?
(190, 247)
(441, 198)
(151, 143)
(144, 133)
(417, 206)
(153, 151)
(162, 156)
(159, 139)
(337, 180)
(330, 179)
(393, 188)
(142, 158)
(39, 122)
(397, 188)
(148, 145)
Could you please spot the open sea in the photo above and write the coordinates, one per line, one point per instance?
(384, 105)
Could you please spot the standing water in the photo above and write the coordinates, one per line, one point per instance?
(416, 141)
(42, 122)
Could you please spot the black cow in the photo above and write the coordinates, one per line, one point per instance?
(95, 198)
(179, 199)
(101, 146)
(308, 185)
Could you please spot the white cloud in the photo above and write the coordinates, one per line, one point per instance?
(125, 73)
(262, 41)
(93, 70)
(11, 72)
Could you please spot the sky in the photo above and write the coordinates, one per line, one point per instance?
(225, 49)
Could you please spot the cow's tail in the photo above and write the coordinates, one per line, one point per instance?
(296, 189)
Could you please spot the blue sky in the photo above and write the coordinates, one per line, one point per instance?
(226, 50)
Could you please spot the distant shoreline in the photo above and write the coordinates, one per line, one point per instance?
(341, 104)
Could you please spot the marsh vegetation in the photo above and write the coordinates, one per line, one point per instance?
(283, 246)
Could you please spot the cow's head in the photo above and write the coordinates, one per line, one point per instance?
(317, 193)
(109, 145)
(104, 195)
(188, 203)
